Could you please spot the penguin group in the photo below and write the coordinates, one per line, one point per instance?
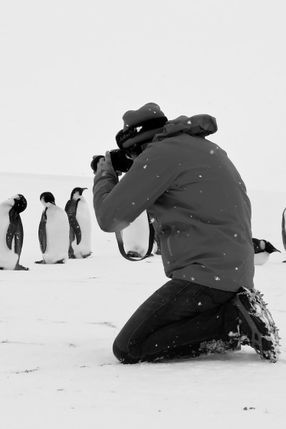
(62, 233)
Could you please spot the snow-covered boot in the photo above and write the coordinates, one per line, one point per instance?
(257, 327)
(219, 346)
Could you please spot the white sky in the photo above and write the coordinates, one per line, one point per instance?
(70, 69)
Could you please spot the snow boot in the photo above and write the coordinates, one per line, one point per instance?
(219, 346)
(257, 328)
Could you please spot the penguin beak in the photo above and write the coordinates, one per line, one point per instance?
(83, 189)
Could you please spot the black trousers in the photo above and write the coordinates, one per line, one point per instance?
(173, 322)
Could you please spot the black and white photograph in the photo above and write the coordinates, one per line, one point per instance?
(142, 214)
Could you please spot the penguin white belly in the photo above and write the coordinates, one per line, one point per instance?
(83, 218)
(8, 258)
(57, 232)
(136, 236)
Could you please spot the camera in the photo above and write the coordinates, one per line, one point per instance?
(119, 159)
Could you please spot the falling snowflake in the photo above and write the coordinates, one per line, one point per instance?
(211, 151)
(217, 278)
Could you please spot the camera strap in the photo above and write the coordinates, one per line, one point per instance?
(129, 255)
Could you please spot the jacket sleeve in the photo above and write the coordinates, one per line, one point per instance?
(117, 204)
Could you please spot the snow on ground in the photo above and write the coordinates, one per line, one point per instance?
(58, 322)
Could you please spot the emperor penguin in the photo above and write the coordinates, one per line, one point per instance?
(262, 251)
(80, 225)
(53, 231)
(11, 232)
(284, 229)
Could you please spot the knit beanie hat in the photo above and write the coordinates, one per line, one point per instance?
(140, 125)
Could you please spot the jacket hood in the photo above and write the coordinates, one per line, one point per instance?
(198, 126)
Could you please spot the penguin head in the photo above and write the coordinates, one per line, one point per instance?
(263, 246)
(77, 193)
(20, 203)
(269, 248)
(47, 198)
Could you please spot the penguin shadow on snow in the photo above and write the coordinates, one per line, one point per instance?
(11, 232)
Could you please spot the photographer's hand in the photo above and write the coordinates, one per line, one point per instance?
(105, 167)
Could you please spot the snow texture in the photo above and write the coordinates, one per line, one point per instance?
(58, 322)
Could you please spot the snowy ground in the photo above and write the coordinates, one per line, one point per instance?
(57, 325)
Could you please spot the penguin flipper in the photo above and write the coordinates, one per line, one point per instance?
(42, 233)
(70, 208)
(15, 231)
(11, 231)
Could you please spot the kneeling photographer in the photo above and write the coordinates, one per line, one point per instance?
(202, 212)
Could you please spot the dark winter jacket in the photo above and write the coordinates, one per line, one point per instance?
(192, 189)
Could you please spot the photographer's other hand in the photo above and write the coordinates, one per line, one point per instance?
(94, 162)
(105, 167)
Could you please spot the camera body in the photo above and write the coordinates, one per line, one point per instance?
(120, 161)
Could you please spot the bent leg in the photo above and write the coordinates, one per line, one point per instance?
(172, 322)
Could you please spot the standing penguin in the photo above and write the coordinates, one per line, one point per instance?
(262, 251)
(80, 225)
(284, 229)
(53, 232)
(11, 232)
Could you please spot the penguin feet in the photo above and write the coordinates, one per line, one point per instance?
(86, 255)
(60, 261)
(21, 268)
(40, 262)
